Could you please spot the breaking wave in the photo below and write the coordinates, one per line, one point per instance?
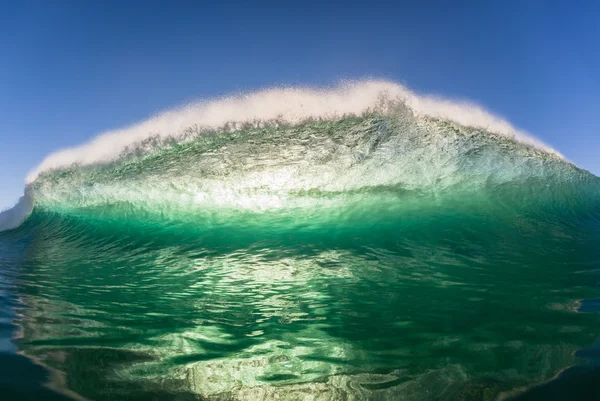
(280, 147)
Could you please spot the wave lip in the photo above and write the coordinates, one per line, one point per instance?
(281, 106)
(14, 217)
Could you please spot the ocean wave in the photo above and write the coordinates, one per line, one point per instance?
(287, 148)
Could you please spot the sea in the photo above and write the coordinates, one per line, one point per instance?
(353, 242)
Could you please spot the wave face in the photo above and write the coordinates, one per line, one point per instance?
(356, 243)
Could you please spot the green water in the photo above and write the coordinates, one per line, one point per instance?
(368, 258)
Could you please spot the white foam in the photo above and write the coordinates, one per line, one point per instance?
(285, 105)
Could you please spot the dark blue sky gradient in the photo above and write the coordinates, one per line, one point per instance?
(72, 69)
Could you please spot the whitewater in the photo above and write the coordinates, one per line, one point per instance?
(354, 242)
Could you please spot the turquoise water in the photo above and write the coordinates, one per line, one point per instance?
(381, 256)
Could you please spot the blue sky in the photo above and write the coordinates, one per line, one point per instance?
(71, 69)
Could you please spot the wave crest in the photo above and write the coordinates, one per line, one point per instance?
(281, 106)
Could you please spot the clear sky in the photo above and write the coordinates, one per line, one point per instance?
(72, 69)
